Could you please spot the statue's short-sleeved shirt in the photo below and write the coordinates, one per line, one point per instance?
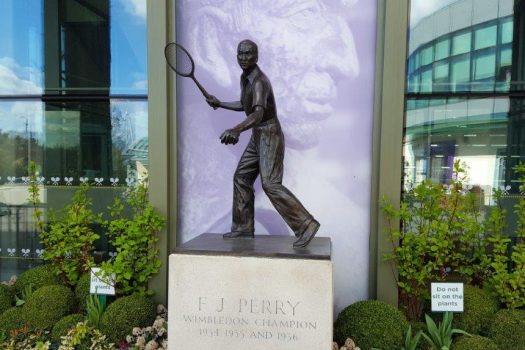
(256, 90)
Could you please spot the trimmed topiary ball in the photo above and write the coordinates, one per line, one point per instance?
(125, 313)
(63, 326)
(82, 291)
(475, 342)
(479, 307)
(371, 324)
(12, 318)
(43, 275)
(6, 298)
(508, 329)
(47, 306)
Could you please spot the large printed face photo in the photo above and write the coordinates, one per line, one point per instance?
(318, 56)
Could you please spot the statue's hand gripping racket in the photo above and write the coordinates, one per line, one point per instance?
(180, 60)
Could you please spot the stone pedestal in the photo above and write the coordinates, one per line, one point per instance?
(250, 294)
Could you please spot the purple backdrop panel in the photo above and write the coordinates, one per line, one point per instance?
(319, 56)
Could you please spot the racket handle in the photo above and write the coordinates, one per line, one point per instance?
(201, 88)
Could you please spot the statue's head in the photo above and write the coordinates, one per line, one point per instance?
(247, 54)
(306, 49)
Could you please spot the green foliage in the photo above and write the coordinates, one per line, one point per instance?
(411, 342)
(26, 294)
(68, 237)
(37, 277)
(440, 337)
(135, 242)
(62, 327)
(6, 298)
(27, 341)
(475, 342)
(480, 307)
(508, 329)
(371, 324)
(441, 228)
(11, 319)
(125, 313)
(47, 306)
(82, 337)
(95, 310)
(82, 291)
(508, 277)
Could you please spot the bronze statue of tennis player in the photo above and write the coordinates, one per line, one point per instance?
(263, 156)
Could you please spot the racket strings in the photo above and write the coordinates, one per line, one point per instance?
(179, 60)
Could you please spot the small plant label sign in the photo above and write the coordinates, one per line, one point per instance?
(447, 297)
(100, 284)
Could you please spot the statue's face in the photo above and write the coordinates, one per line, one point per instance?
(246, 56)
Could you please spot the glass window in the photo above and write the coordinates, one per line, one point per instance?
(441, 70)
(461, 43)
(85, 47)
(426, 81)
(21, 52)
(65, 47)
(442, 49)
(484, 66)
(427, 55)
(506, 31)
(485, 37)
(460, 73)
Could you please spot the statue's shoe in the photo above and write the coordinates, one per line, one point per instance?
(238, 234)
(307, 235)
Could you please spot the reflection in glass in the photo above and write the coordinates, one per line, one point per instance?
(461, 73)
(478, 116)
(461, 43)
(485, 37)
(442, 49)
(96, 47)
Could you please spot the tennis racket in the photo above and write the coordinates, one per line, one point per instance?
(180, 60)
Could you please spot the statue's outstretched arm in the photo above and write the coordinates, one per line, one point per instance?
(215, 103)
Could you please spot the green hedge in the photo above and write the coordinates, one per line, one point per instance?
(6, 298)
(12, 318)
(508, 329)
(475, 342)
(63, 326)
(371, 324)
(479, 307)
(125, 313)
(47, 306)
(38, 277)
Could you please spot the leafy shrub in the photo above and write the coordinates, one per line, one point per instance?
(43, 275)
(6, 298)
(82, 337)
(439, 337)
(135, 240)
(371, 324)
(509, 283)
(12, 318)
(480, 308)
(47, 306)
(68, 233)
(475, 342)
(125, 313)
(62, 327)
(82, 291)
(508, 329)
(441, 228)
